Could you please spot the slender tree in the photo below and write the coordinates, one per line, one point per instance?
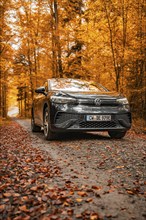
(5, 56)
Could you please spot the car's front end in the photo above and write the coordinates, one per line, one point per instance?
(69, 105)
(89, 112)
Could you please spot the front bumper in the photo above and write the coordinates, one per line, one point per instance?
(75, 120)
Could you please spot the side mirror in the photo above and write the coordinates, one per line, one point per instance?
(40, 90)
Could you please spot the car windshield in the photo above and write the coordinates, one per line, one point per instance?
(75, 85)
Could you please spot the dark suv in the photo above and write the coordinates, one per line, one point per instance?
(71, 105)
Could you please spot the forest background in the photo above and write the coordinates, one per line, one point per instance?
(99, 40)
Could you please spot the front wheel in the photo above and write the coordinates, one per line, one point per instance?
(49, 135)
(117, 134)
(34, 127)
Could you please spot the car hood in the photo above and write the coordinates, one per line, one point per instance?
(90, 95)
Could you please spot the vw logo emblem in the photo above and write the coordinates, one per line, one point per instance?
(97, 102)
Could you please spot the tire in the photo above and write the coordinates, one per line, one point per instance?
(117, 134)
(49, 135)
(34, 127)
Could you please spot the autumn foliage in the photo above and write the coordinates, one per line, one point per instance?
(103, 41)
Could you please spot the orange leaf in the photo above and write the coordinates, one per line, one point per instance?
(82, 193)
(28, 160)
(79, 200)
(71, 193)
(2, 208)
(70, 211)
(23, 208)
(66, 204)
(79, 216)
(94, 216)
(34, 188)
(16, 194)
(24, 198)
(89, 200)
(96, 187)
(7, 194)
(130, 192)
(119, 167)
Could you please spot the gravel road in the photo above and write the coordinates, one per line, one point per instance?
(115, 169)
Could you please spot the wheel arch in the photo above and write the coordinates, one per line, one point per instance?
(45, 106)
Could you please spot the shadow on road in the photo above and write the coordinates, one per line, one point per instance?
(82, 136)
(75, 136)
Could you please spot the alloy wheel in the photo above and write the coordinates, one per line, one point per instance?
(46, 124)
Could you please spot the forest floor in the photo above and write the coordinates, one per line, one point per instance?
(77, 176)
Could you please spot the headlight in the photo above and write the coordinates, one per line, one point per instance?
(124, 102)
(63, 100)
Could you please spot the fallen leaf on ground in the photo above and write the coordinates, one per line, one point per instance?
(82, 193)
(79, 200)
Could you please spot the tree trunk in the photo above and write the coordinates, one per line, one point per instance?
(56, 48)
(115, 64)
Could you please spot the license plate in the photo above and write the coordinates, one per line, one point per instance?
(98, 118)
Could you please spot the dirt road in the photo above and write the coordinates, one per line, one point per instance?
(108, 176)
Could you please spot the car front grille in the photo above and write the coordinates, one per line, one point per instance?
(104, 102)
(97, 124)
